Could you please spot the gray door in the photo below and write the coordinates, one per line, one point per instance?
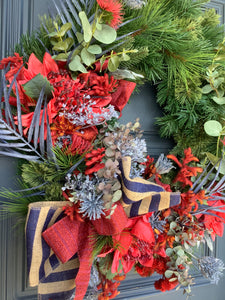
(18, 16)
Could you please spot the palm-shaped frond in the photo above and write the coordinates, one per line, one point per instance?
(13, 141)
(214, 189)
(68, 11)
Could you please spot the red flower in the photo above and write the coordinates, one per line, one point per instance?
(134, 244)
(15, 62)
(186, 172)
(114, 7)
(150, 169)
(214, 221)
(189, 202)
(94, 161)
(164, 284)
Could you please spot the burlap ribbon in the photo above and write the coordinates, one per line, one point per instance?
(55, 280)
(47, 262)
(141, 196)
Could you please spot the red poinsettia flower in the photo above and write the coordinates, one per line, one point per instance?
(135, 245)
(114, 8)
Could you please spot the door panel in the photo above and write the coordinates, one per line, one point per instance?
(19, 16)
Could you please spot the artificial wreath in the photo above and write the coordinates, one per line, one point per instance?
(96, 205)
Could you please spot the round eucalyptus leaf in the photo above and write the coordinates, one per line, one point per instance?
(207, 89)
(220, 100)
(61, 56)
(168, 273)
(87, 58)
(213, 128)
(60, 46)
(94, 49)
(218, 81)
(113, 63)
(76, 65)
(180, 252)
(125, 57)
(169, 251)
(107, 35)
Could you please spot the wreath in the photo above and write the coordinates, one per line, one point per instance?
(96, 205)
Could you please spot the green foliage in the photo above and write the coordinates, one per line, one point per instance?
(16, 202)
(33, 87)
(182, 41)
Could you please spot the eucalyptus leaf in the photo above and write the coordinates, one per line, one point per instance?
(122, 74)
(87, 58)
(53, 34)
(34, 86)
(61, 57)
(169, 251)
(106, 35)
(124, 57)
(94, 49)
(76, 65)
(220, 100)
(86, 26)
(173, 225)
(168, 273)
(117, 196)
(207, 89)
(80, 37)
(214, 161)
(113, 63)
(180, 252)
(65, 27)
(64, 45)
(218, 81)
(213, 128)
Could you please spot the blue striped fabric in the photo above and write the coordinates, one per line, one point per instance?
(141, 196)
(54, 279)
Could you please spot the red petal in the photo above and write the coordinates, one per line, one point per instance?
(49, 64)
(143, 231)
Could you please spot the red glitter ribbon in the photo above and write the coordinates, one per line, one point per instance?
(67, 237)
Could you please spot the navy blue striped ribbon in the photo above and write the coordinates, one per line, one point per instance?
(141, 196)
(54, 279)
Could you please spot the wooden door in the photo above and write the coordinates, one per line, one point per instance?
(18, 16)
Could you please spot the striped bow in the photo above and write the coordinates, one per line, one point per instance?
(54, 279)
(141, 196)
(54, 265)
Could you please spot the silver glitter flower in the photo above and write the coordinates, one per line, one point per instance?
(91, 203)
(86, 115)
(135, 148)
(163, 165)
(212, 268)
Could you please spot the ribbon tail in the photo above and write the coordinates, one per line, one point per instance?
(86, 239)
